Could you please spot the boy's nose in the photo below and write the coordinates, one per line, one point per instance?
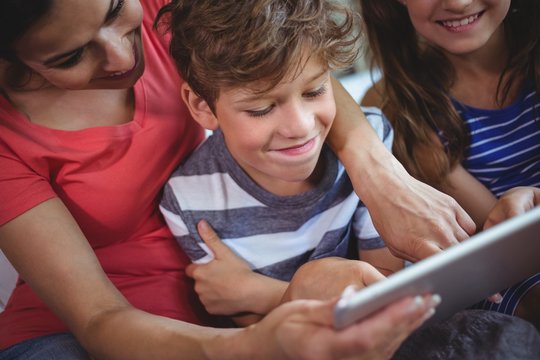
(297, 123)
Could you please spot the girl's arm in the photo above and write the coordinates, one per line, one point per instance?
(52, 255)
(414, 219)
(472, 195)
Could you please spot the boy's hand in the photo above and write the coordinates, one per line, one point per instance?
(327, 278)
(226, 285)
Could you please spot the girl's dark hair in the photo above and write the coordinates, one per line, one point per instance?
(16, 18)
(417, 78)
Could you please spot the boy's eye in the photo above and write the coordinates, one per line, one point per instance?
(72, 60)
(259, 113)
(318, 92)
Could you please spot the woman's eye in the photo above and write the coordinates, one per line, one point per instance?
(259, 113)
(72, 60)
(316, 93)
(116, 11)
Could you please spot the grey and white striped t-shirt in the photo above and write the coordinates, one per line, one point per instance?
(274, 234)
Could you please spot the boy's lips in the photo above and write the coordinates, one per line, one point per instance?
(298, 149)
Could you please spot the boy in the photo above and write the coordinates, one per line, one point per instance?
(264, 180)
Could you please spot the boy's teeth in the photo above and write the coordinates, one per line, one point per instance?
(462, 22)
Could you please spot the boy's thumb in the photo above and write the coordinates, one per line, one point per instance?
(210, 238)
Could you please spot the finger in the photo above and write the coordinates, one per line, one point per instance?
(395, 322)
(371, 275)
(190, 269)
(212, 240)
(496, 298)
(466, 223)
(426, 249)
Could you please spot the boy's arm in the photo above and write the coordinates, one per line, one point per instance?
(429, 219)
(382, 260)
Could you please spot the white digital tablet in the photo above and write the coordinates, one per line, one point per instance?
(462, 275)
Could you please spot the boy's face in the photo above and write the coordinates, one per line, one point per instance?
(276, 137)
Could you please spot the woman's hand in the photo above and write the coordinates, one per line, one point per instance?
(513, 202)
(302, 329)
(227, 286)
(414, 219)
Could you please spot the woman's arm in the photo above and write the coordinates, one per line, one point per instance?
(51, 254)
(414, 219)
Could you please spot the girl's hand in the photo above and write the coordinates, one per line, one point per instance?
(513, 202)
(227, 286)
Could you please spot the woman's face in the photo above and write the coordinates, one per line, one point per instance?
(86, 44)
(458, 26)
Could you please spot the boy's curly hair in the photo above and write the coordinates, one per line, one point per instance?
(220, 44)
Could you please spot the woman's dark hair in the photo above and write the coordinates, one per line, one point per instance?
(417, 78)
(16, 18)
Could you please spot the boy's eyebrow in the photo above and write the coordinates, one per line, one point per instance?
(55, 58)
(252, 97)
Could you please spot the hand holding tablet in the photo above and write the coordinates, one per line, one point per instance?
(462, 275)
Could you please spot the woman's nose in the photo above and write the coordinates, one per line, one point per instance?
(118, 53)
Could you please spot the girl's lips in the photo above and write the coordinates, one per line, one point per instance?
(461, 24)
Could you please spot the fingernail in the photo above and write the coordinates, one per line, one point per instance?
(203, 225)
(435, 300)
(497, 298)
(416, 304)
(428, 314)
(348, 292)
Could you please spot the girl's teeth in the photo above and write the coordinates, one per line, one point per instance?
(462, 22)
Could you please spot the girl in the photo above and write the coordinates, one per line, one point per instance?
(461, 86)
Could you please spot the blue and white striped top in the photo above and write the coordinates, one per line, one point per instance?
(504, 150)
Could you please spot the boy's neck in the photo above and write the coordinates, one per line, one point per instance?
(281, 187)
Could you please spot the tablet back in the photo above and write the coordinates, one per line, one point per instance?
(462, 275)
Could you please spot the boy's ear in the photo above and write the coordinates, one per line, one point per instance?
(199, 108)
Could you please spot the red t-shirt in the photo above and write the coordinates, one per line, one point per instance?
(110, 179)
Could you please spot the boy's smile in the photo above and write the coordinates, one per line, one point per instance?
(277, 136)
